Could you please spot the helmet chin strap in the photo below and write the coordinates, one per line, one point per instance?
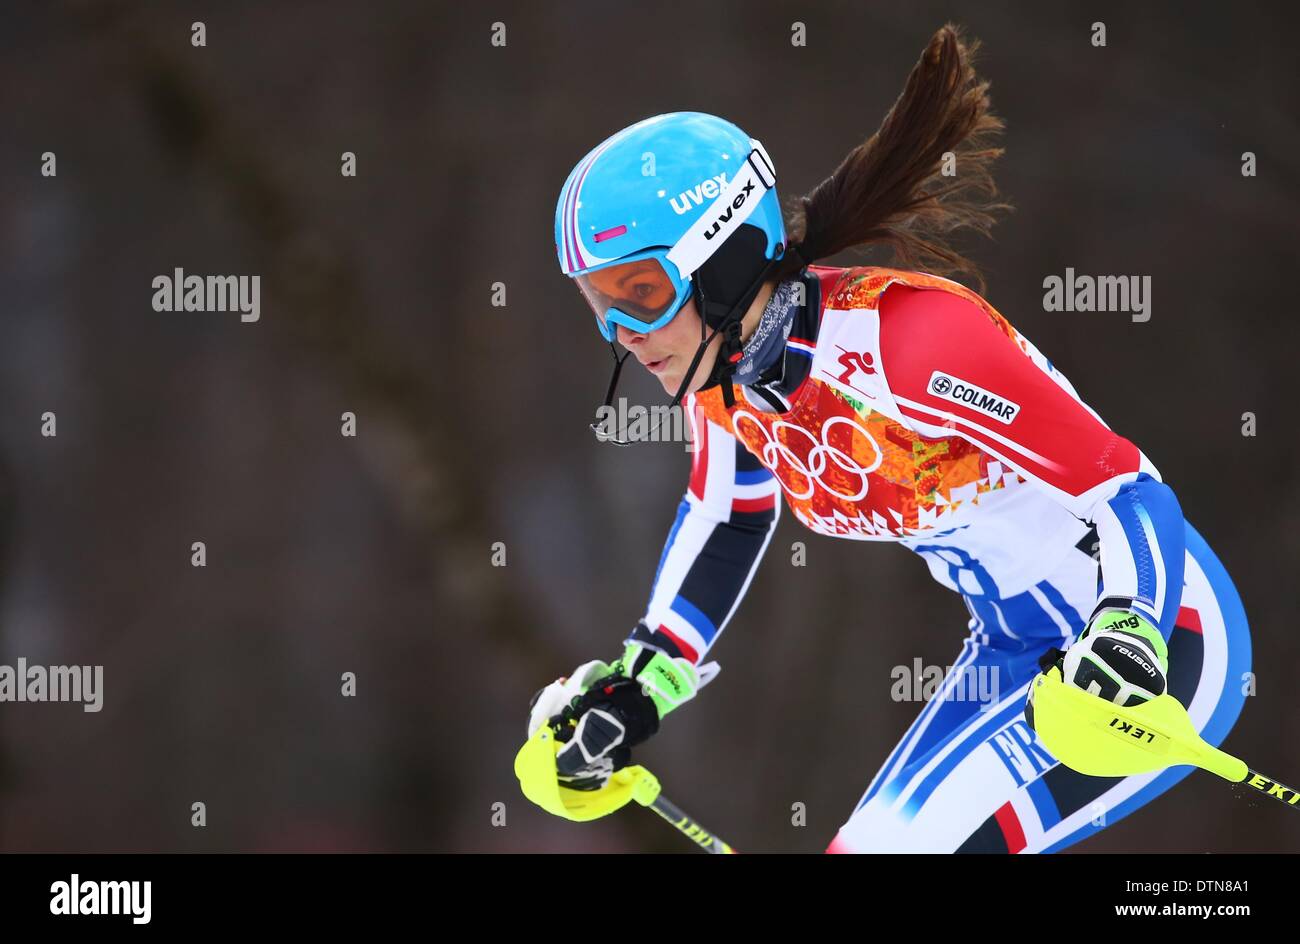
(729, 319)
(677, 397)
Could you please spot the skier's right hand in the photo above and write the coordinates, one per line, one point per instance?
(601, 714)
(603, 711)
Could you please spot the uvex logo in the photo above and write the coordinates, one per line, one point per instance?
(704, 190)
(726, 215)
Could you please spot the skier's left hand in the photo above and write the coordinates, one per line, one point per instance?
(1120, 657)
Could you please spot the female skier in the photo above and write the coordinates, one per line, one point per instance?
(885, 405)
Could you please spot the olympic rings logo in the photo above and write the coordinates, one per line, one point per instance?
(774, 451)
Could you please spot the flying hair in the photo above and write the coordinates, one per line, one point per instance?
(890, 190)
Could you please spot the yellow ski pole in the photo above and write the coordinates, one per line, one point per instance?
(535, 768)
(688, 827)
(1102, 739)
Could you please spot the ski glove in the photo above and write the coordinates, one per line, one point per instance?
(599, 714)
(1120, 657)
(602, 711)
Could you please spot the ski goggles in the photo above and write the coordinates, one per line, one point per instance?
(645, 291)
(638, 293)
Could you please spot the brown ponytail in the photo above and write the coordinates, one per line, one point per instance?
(889, 189)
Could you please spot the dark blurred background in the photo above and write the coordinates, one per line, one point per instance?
(373, 554)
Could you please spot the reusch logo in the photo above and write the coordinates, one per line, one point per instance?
(1140, 660)
(725, 216)
(969, 395)
(704, 190)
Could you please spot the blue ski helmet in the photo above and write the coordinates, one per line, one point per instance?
(641, 213)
